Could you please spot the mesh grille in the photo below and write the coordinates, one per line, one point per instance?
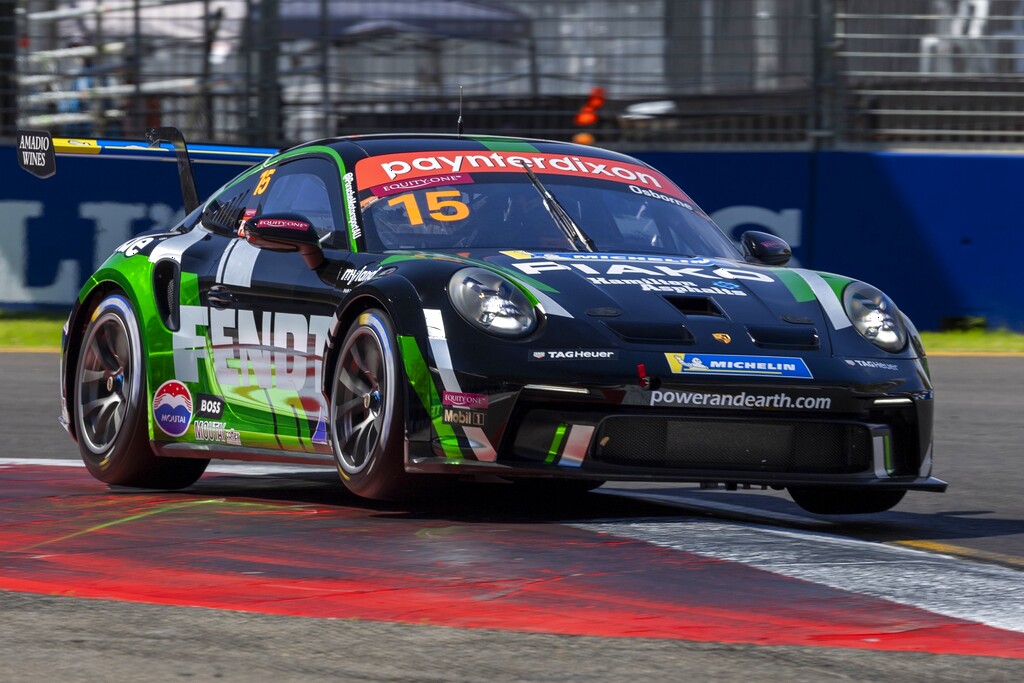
(776, 446)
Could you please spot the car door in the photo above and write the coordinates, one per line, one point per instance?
(270, 314)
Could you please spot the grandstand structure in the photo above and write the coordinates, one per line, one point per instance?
(672, 74)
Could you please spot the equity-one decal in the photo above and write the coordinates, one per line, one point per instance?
(251, 348)
(458, 399)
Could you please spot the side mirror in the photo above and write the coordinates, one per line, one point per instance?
(285, 232)
(765, 248)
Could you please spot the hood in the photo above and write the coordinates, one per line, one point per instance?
(711, 302)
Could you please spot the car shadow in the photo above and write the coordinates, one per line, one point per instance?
(504, 503)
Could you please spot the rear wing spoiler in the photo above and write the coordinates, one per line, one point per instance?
(189, 194)
(37, 151)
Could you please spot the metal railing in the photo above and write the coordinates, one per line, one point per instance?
(687, 73)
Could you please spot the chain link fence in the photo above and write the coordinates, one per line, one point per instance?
(629, 73)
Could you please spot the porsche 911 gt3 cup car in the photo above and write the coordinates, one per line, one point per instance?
(406, 307)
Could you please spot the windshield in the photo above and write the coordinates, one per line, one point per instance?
(637, 210)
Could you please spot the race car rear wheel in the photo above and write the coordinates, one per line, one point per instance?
(367, 411)
(837, 501)
(110, 405)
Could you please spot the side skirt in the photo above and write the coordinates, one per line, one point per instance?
(187, 450)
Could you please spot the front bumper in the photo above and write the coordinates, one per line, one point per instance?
(863, 440)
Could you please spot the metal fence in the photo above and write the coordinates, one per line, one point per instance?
(634, 73)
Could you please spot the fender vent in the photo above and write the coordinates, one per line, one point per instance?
(166, 292)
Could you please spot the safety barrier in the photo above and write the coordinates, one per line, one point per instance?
(935, 231)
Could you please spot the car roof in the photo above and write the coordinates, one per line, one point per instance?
(398, 143)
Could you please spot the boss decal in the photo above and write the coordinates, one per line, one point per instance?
(758, 366)
(172, 408)
(209, 406)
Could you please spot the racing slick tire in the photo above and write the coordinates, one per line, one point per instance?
(110, 405)
(367, 411)
(839, 501)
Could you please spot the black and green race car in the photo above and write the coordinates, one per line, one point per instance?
(412, 308)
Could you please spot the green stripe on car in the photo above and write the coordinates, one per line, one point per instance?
(419, 377)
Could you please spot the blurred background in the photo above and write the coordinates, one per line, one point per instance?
(685, 73)
(882, 139)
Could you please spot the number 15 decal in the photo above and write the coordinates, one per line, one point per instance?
(436, 206)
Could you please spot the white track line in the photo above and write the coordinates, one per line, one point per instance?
(953, 587)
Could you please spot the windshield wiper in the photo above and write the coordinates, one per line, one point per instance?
(576, 235)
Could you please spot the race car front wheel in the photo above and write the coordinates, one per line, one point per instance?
(110, 405)
(837, 501)
(367, 411)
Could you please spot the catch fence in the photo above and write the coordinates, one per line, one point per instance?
(629, 73)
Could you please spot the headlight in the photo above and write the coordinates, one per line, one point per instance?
(491, 303)
(875, 316)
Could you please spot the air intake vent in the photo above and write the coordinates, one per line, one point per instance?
(650, 333)
(166, 281)
(696, 305)
(776, 337)
(755, 446)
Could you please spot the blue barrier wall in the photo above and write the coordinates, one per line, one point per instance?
(936, 232)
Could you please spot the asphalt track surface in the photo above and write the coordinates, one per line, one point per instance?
(250, 577)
